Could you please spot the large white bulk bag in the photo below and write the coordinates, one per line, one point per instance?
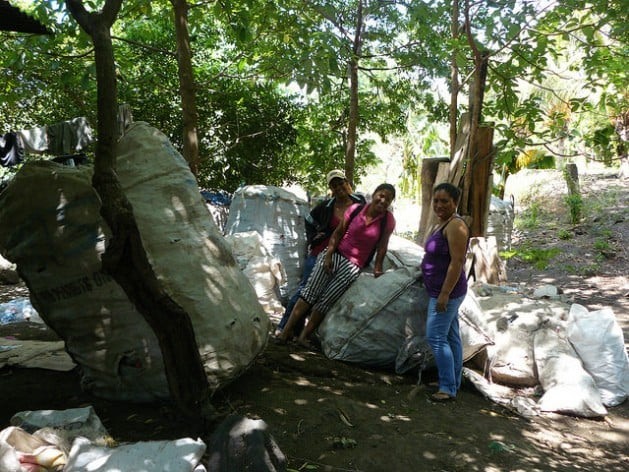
(279, 217)
(597, 337)
(381, 322)
(512, 320)
(263, 271)
(500, 222)
(189, 255)
(57, 240)
(568, 388)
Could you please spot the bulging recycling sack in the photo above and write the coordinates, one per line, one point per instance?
(568, 388)
(598, 340)
(263, 270)
(279, 217)
(381, 322)
(57, 239)
(512, 321)
(500, 222)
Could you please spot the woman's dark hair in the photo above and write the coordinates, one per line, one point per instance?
(450, 189)
(388, 187)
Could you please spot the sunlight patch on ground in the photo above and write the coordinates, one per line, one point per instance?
(303, 382)
(429, 455)
(389, 418)
(297, 357)
(334, 391)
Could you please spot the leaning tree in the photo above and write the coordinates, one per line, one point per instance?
(125, 257)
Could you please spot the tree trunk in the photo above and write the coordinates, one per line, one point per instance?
(352, 125)
(621, 126)
(186, 86)
(125, 257)
(477, 90)
(454, 79)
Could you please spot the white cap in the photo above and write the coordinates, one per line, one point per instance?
(335, 174)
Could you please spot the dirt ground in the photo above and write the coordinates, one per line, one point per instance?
(329, 416)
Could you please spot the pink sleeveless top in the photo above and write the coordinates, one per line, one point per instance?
(360, 239)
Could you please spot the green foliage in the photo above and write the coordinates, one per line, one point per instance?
(537, 94)
(425, 138)
(311, 44)
(564, 235)
(587, 270)
(321, 139)
(410, 235)
(248, 136)
(46, 79)
(605, 233)
(602, 245)
(539, 258)
(247, 129)
(533, 159)
(602, 142)
(244, 52)
(575, 207)
(529, 218)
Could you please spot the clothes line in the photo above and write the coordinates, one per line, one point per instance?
(65, 137)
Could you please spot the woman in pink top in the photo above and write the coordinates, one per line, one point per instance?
(365, 230)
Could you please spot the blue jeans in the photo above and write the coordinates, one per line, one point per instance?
(442, 333)
(308, 266)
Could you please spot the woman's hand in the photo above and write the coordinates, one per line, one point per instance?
(442, 302)
(327, 262)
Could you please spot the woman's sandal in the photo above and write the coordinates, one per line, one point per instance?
(441, 397)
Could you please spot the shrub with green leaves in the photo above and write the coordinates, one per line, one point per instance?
(564, 234)
(539, 258)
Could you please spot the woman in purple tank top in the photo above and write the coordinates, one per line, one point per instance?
(444, 279)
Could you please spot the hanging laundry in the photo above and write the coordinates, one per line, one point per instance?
(65, 137)
(69, 136)
(34, 140)
(11, 153)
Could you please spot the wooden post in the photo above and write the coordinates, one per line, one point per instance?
(432, 171)
(572, 179)
(486, 263)
(460, 151)
(480, 191)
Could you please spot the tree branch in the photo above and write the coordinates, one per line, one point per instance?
(145, 46)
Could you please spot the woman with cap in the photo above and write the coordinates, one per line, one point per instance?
(320, 224)
(364, 230)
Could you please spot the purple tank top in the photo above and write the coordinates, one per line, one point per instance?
(435, 266)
